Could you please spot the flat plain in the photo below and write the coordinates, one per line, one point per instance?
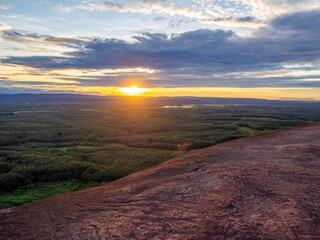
(47, 149)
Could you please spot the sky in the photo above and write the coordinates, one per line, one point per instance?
(213, 48)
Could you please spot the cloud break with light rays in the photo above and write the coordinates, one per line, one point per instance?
(173, 48)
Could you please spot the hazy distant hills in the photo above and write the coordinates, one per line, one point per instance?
(94, 99)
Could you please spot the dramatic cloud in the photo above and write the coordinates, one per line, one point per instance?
(198, 58)
(218, 50)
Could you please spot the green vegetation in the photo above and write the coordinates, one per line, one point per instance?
(37, 191)
(51, 149)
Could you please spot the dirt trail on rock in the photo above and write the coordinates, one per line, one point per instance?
(261, 187)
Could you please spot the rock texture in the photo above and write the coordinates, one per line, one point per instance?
(261, 187)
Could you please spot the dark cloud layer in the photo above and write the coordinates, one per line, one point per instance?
(39, 39)
(301, 21)
(291, 38)
(247, 19)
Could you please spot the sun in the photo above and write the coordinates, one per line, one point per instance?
(133, 90)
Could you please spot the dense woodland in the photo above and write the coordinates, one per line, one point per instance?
(46, 149)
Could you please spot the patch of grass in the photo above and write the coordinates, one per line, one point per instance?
(39, 111)
(246, 131)
(39, 191)
(64, 149)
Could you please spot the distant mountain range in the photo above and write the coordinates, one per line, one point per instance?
(299, 99)
(94, 99)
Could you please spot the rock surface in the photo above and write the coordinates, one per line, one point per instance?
(261, 187)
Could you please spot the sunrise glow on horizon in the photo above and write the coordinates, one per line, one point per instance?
(133, 90)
